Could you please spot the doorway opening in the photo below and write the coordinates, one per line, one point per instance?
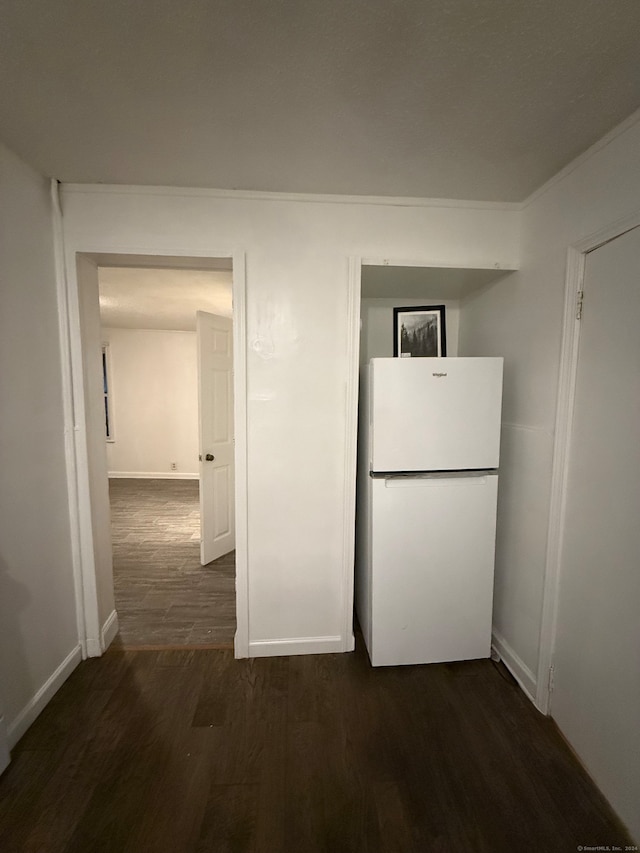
(161, 448)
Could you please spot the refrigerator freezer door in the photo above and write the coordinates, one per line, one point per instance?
(432, 561)
(435, 414)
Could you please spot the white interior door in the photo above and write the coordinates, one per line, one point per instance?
(596, 693)
(215, 395)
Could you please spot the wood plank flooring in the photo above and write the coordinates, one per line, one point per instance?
(191, 751)
(164, 597)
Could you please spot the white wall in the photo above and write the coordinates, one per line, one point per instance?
(376, 336)
(154, 402)
(298, 363)
(520, 317)
(38, 629)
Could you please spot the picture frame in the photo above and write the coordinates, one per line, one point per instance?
(419, 332)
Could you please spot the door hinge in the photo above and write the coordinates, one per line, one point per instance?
(579, 303)
(550, 683)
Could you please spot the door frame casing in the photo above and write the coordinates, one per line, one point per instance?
(90, 630)
(574, 278)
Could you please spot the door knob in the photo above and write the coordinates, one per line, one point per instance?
(209, 457)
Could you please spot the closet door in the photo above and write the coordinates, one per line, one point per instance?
(596, 695)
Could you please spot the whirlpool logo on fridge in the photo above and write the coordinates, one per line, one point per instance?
(439, 375)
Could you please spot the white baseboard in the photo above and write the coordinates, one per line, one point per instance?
(94, 647)
(297, 646)
(109, 630)
(518, 669)
(38, 703)
(5, 758)
(152, 475)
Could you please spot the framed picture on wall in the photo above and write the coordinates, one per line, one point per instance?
(419, 332)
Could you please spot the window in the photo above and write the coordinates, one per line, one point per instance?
(108, 398)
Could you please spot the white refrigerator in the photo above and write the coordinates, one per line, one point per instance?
(428, 453)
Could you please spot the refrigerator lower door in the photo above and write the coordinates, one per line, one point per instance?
(432, 563)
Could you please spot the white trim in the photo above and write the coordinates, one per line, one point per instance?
(527, 428)
(239, 317)
(498, 266)
(605, 235)
(5, 757)
(576, 257)
(152, 475)
(141, 328)
(109, 630)
(94, 647)
(518, 669)
(37, 704)
(97, 253)
(304, 198)
(564, 419)
(68, 412)
(605, 140)
(88, 605)
(296, 646)
(351, 450)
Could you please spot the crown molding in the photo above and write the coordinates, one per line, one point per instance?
(304, 198)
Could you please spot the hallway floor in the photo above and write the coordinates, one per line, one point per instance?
(164, 597)
(194, 752)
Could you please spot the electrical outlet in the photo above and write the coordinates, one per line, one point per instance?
(174, 466)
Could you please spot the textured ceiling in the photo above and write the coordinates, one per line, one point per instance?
(161, 298)
(478, 99)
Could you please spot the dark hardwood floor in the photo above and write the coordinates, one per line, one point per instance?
(164, 597)
(191, 751)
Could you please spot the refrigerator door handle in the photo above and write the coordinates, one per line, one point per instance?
(433, 475)
(432, 483)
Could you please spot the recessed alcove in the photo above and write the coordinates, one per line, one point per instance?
(385, 286)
